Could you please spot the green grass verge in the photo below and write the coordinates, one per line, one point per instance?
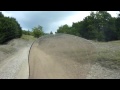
(109, 54)
(28, 37)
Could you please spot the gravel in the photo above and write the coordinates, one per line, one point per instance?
(99, 72)
(16, 66)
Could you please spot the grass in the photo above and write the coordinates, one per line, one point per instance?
(108, 54)
(28, 37)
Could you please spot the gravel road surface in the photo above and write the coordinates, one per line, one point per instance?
(16, 66)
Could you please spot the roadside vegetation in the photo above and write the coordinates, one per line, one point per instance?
(11, 29)
(28, 37)
(13, 38)
(99, 26)
(108, 54)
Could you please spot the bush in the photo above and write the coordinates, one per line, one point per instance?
(37, 31)
(9, 29)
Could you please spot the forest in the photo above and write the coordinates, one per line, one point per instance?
(99, 26)
(9, 28)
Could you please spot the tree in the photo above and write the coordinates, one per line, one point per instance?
(37, 31)
(117, 23)
(9, 28)
(18, 30)
(74, 30)
(27, 32)
(99, 26)
(1, 15)
(64, 29)
(51, 32)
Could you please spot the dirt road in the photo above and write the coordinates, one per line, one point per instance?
(61, 57)
(16, 66)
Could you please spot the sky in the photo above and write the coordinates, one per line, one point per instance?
(49, 20)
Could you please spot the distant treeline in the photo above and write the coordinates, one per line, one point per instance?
(9, 28)
(27, 32)
(36, 32)
(100, 26)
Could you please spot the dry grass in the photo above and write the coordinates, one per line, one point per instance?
(108, 54)
(28, 37)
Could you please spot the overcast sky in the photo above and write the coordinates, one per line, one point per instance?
(49, 20)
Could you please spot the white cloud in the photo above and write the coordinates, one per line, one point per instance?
(113, 13)
(75, 18)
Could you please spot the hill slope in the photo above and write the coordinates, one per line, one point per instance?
(61, 56)
(69, 56)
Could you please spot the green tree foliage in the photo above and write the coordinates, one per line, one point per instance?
(64, 29)
(25, 32)
(99, 26)
(17, 27)
(1, 15)
(9, 28)
(118, 26)
(51, 32)
(37, 31)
